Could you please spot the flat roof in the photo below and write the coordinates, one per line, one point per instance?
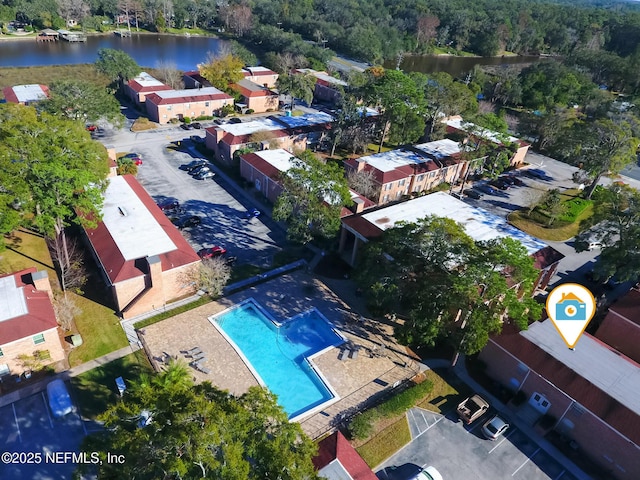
(251, 86)
(306, 120)
(146, 80)
(247, 128)
(393, 159)
(258, 70)
(12, 299)
(29, 93)
(495, 137)
(440, 148)
(617, 376)
(132, 226)
(189, 92)
(334, 471)
(278, 158)
(478, 223)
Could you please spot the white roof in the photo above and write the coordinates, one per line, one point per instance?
(147, 80)
(12, 299)
(440, 148)
(279, 158)
(247, 128)
(388, 161)
(29, 93)
(133, 228)
(189, 92)
(479, 224)
(593, 361)
(306, 120)
(495, 137)
(254, 70)
(334, 470)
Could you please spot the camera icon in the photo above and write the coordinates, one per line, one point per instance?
(571, 308)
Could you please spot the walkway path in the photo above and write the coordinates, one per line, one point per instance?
(41, 385)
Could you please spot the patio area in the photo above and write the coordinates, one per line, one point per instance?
(379, 365)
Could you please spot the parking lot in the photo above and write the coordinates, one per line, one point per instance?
(27, 426)
(460, 452)
(219, 204)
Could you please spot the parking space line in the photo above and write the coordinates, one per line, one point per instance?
(424, 418)
(525, 462)
(561, 474)
(47, 410)
(430, 426)
(17, 424)
(500, 442)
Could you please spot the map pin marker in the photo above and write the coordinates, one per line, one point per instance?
(571, 307)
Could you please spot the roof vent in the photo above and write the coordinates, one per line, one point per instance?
(122, 211)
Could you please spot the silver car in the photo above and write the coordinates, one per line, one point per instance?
(494, 427)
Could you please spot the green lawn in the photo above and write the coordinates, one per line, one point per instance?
(47, 74)
(448, 391)
(95, 390)
(386, 443)
(97, 324)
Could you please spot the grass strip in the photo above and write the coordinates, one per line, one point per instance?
(386, 443)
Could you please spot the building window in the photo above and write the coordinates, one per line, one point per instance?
(399, 194)
(169, 108)
(188, 105)
(385, 198)
(432, 174)
(1, 353)
(401, 183)
(420, 177)
(38, 339)
(206, 104)
(201, 112)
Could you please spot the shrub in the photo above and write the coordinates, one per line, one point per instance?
(574, 208)
(186, 119)
(204, 117)
(250, 111)
(361, 425)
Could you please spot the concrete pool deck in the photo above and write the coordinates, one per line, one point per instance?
(356, 380)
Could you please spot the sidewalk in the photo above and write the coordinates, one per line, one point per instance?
(461, 371)
(41, 385)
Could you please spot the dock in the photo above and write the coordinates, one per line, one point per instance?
(72, 37)
(47, 35)
(123, 33)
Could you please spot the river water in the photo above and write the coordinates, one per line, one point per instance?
(186, 52)
(147, 50)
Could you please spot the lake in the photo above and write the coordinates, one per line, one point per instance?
(147, 50)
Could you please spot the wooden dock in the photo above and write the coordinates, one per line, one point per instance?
(47, 35)
(73, 37)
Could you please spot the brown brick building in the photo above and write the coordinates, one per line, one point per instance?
(621, 327)
(590, 395)
(28, 325)
(165, 105)
(145, 260)
(256, 97)
(144, 84)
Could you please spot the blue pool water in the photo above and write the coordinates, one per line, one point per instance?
(278, 353)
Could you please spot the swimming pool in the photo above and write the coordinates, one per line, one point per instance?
(278, 354)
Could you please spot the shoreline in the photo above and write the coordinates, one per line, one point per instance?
(34, 36)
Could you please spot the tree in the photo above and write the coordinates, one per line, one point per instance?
(616, 225)
(427, 28)
(68, 258)
(169, 74)
(126, 166)
(222, 72)
(237, 18)
(59, 171)
(599, 147)
(73, 9)
(82, 101)
(448, 286)
(364, 182)
(167, 427)
(117, 65)
(552, 204)
(399, 102)
(66, 311)
(213, 275)
(312, 199)
(297, 85)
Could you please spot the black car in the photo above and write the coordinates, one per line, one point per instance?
(191, 165)
(196, 125)
(515, 180)
(536, 173)
(199, 170)
(473, 194)
(186, 126)
(486, 189)
(186, 222)
(501, 184)
(219, 121)
(235, 120)
(197, 139)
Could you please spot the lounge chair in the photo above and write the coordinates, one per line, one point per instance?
(194, 351)
(204, 370)
(353, 354)
(343, 354)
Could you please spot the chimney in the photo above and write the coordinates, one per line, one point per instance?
(359, 203)
(360, 164)
(41, 282)
(155, 271)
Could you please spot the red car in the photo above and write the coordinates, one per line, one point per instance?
(91, 128)
(211, 252)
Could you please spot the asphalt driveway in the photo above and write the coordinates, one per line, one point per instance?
(460, 452)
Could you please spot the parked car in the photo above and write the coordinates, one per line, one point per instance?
(485, 188)
(132, 155)
(59, 399)
(196, 125)
(254, 212)
(219, 121)
(197, 139)
(235, 120)
(494, 427)
(169, 206)
(514, 180)
(536, 173)
(191, 165)
(501, 184)
(204, 174)
(137, 161)
(472, 408)
(473, 194)
(199, 170)
(186, 126)
(91, 128)
(429, 473)
(211, 252)
(186, 222)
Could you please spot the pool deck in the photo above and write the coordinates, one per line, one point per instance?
(356, 380)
